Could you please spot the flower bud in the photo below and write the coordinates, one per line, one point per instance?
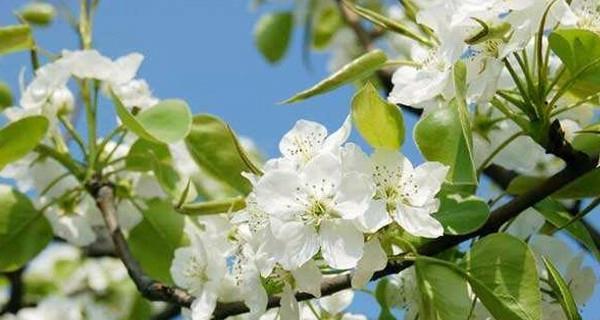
(62, 101)
(38, 13)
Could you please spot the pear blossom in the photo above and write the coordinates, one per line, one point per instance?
(313, 208)
(306, 140)
(405, 193)
(54, 308)
(583, 14)
(199, 268)
(373, 259)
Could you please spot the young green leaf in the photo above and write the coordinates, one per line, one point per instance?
(443, 290)
(38, 13)
(461, 215)
(386, 23)
(585, 187)
(142, 150)
(383, 301)
(20, 137)
(578, 49)
(154, 240)
(561, 290)
(557, 215)
(168, 121)
(24, 231)
(213, 207)
(6, 98)
(379, 122)
(502, 272)
(272, 35)
(328, 21)
(358, 69)
(216, 150)
(15, 38)
(440, 136)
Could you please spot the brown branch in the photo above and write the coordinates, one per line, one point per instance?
(150, 289)
(17, 290)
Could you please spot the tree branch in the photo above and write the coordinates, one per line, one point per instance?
(150, 289)
(17, 289)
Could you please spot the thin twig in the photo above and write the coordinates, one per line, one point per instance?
(17, 290)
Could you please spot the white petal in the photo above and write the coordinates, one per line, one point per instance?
(289, 305)
(354, 195)
(375, 218)
(337, 302)
(303, 140)
(204, 305)
(341, 243)
(255, 295)
(428, 179)
(374, 259)
(336, 139)
(126, 67)
(301, 244)
(308, 278)
(412, 86)
(322, 175)
(418, 221)
(582, 280)
(350, 316)
(276, 192)
(354, 159)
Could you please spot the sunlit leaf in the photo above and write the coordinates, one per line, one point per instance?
(15, 38)
(272, 35)
(358, 69)
(561, 289)
(19, 138)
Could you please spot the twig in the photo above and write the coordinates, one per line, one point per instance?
(17, 289)
(150, 289)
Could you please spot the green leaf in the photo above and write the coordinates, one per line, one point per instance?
(38, 13)
(462, 215)
(379, 122)
(578, 49)
(502, 272)
(444, 292)
(24, 231)
(386, 23)
(6, 98)
(440, 137)
(586, 186)
(588, 140)
(381, 297)
(561, 290)
(326, 24)
(215, 148)
(142, 151)
(154, 240)
(15, 38)
(213, 207)
(358, 69)
(18, 138)
(272, 34)
(557, 215)
(168, 121)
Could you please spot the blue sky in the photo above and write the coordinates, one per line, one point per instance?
(202, 51)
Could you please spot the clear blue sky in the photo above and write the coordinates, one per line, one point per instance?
(202, 51)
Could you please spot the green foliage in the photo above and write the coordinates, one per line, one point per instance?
(561, 290)
(214, 147)
(588, 140)
(168, 121)
(356, 70)
(24, 231)
(444, 292)
(272, 35)
(557, 215)
(502, 272)
(379, 122)
(154, 240)
(18, 138)
(585, 187)
(38, 13)
(326, 23)
(15, 38)
(381, 297)
(143, 150)
(462, 215)
(579, 50)
(440, 137)
(6, 98)
(213, 207)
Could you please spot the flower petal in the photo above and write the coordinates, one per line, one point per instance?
(336, 139)
(418, 221)
(354, 195)
(308, 278)
(303, 140)
(374, 259)
(428, 179)
(276, 192)
(301, 243)
(374, 218)
(337, 302)
(341, 243)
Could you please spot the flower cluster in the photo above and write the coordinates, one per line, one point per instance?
(319, 201)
